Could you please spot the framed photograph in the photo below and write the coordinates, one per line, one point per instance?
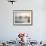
(22, 17)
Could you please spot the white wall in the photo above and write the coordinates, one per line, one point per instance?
(38, 30)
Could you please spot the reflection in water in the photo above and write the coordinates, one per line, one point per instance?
(22, 19)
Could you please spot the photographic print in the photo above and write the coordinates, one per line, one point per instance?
(22, 16)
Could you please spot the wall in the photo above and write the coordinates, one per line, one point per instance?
(38, 29)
